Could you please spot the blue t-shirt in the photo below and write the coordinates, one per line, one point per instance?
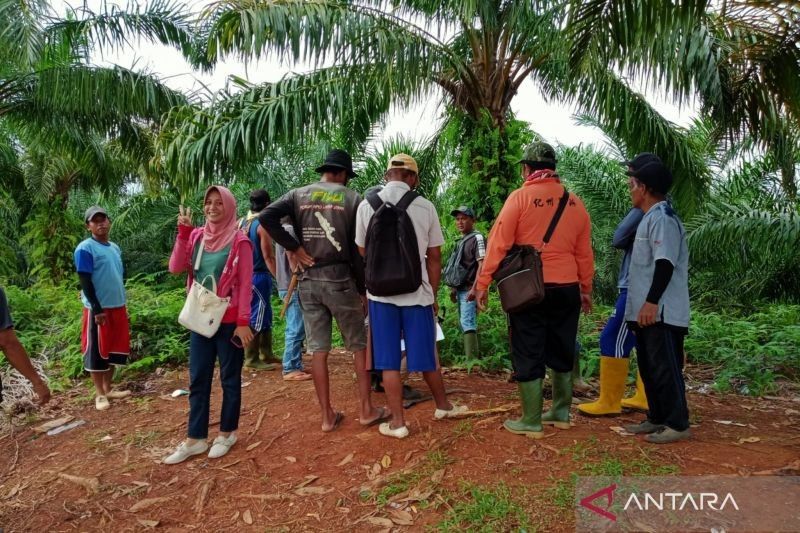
(104, 263)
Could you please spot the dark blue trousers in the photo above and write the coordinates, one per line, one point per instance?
(203, 353)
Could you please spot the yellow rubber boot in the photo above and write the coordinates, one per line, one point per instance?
(613, 373)
(639, 400)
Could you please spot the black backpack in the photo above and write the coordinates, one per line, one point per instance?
(454, 274)
(392, 264)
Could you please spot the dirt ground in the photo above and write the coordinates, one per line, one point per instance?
(286, 475)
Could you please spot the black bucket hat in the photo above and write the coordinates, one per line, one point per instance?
(337, 160)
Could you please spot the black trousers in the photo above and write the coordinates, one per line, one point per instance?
(659, 351)
(544, 334)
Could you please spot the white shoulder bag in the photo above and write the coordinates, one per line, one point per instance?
(203, 310)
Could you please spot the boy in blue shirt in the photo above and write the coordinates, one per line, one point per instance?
(105, 336)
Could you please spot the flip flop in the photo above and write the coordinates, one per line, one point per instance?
(382, 417)
(336, 423)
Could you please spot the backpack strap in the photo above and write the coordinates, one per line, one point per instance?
(562, 203)
(374, 200)
(406, 200)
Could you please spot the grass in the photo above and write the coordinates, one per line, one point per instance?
(143, 439)
(484, 509)
(400, 482)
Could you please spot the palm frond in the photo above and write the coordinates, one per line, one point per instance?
(240, 128)
(110, 28)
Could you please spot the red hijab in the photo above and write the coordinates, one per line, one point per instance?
(218, 235)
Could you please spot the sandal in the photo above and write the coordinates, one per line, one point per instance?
(336, 423)
(383, 416)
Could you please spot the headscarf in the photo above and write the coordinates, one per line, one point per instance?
(542, 174)
(218, 235)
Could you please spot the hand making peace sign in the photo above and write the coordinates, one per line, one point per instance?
(185, 216)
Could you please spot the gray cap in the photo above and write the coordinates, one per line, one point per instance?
(463, 210)
(92, 211)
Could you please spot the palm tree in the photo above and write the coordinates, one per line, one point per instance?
(73, 125)
(369, 55)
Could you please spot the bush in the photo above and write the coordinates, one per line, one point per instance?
(48, 321)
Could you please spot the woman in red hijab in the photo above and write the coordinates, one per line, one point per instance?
(228, 257)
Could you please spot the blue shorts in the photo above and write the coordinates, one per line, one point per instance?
(616, 339)
(260, 308)
(388, 323)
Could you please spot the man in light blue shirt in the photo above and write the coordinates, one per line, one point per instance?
(105, 336)
(658, 304)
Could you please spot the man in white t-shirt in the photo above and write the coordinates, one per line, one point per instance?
(410, 316)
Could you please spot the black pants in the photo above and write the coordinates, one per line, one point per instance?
(659, 351)
(544, 334)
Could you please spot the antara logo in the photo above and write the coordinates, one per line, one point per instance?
(608, 492)
(678, 501)
(670, 501)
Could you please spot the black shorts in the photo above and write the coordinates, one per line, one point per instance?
(5, 312)
(92, 360)
(544, 334)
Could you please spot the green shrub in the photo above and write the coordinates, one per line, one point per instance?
(48, 321)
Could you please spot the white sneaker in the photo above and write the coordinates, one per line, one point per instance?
(221, 446)
(101, 403)
(399, 433)
(118, 394)
(184, 451)
(440, 414)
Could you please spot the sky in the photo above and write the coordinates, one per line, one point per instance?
(554, 122)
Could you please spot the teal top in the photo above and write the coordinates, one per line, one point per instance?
(211, 264)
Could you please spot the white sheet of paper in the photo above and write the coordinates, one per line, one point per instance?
(439, 337)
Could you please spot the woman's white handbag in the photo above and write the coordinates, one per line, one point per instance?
(203, 310)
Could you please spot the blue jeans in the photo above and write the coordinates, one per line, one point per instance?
(294, 335)
(203, 353)
(468, 312)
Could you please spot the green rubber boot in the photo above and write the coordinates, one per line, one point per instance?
(251, 352)
(471, 344)
(558, 415)
(265, 347)
(530, 424)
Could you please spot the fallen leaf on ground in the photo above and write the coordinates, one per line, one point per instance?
(47, 426)
(247, 517)
(386, 461)
(620, 431)
(343, 510)
(307, 491)
(408, 456)
(748, 439)
(402, 518)
(148, 523)
(377, 521)
(291, 459)
(146, 503)
(246, 384)
(309, 480)
(730, 423)
(438, 476)
(91, 484)
(235, 516)
(376, 469)
(347, 459)
(254, 445)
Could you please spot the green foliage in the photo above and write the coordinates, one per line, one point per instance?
(748, 351)
(485, 509)
(48, 320)
(49, 238)
(484, 159)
